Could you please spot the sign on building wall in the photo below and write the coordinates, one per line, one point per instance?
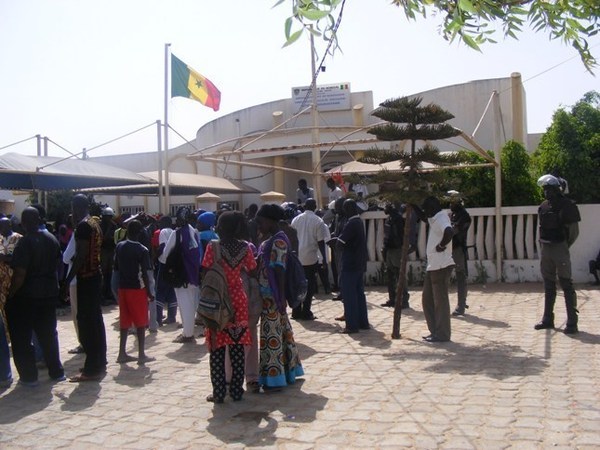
(330, 97)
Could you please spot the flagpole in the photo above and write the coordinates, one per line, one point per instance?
(166, 140)
(161, 202)
(316, 152)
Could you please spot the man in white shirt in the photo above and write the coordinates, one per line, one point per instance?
(334, 190)
(312, 234)
(436, 304)
(361, 192)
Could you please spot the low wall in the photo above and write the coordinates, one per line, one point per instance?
(520, 246)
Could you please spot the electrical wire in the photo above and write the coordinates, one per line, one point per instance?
(19, 142)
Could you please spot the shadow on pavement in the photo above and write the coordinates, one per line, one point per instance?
(24, 401)
(253, 421)
(305, 351)
(497, 361)
(84, 396)
(133, 375)
(409, 312)
(476, 320)
(585, 337)
(188, 353)
(372, 338)
(315, 325)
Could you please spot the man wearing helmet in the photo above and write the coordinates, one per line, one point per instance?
(558, 219)
(461, 221)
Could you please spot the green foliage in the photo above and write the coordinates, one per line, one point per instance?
(477, 184)
(518, 184)
(571, 146)
(59, 205)
(408, 120)
(315, 17)
(472, 21)
(429, 132)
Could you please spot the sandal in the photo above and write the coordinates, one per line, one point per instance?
(253, 387)
(82, 378)
(211, 398)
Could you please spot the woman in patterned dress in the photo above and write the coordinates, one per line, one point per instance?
(8, 241)
(279, 360)
(236, 256)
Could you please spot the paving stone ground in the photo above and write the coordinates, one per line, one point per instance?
(498, 384)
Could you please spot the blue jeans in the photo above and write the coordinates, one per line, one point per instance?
(5, 372)
(355, 302)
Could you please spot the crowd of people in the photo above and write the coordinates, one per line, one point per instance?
(154, 268)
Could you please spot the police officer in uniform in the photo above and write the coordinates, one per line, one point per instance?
(461, 221)
(558, 220)
(393, 237)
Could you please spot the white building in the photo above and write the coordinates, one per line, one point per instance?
(248, 153)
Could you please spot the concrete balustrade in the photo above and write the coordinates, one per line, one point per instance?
(520, 248)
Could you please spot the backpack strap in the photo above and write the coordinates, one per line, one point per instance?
(216, 246)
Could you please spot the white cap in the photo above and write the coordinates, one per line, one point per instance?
(108, 212)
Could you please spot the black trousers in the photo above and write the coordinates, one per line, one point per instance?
(24, 316)
(107, 255)
(92, 334)
(310, 272)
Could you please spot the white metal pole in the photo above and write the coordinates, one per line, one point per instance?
(498, 185)
(166, 125)
(39, 153)
(161, 193)
(316, 153)
(46, 154)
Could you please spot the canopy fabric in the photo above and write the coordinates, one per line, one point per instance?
(179, 184)
(48, 173)
(371, 169)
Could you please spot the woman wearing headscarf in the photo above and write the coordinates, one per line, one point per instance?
(236, 256)
(187, 295)
(279, 360)
(206, 233)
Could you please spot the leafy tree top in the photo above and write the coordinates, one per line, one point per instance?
(470, 21)
(571, 147)
(425, 123)
(417, 174)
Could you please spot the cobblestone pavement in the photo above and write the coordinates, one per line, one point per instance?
(498, 384)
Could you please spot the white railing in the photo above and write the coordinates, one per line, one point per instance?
(520, 249)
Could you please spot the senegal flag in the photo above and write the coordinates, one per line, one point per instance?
(186, 82)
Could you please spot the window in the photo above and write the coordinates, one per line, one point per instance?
(173, 208)
(235, 206)
(133, 210)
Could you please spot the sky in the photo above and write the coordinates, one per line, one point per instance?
(85, 72)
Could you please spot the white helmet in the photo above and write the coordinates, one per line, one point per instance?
(548, 180)
(108, 212)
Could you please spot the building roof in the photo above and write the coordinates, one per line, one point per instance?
(22, 172)
(180, 184)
